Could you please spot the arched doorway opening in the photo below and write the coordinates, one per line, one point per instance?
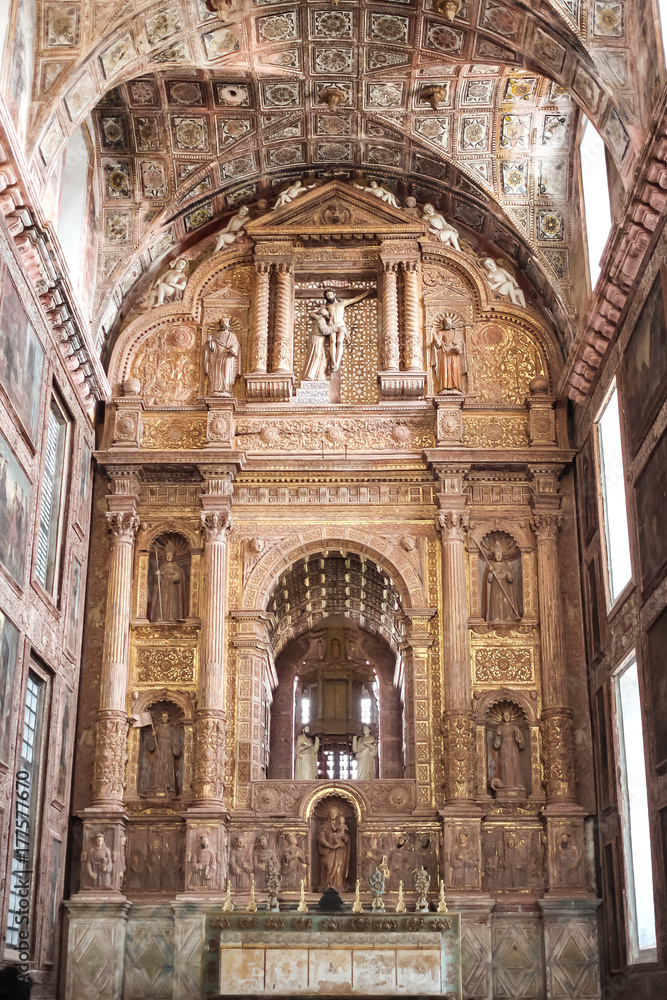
(337, 678)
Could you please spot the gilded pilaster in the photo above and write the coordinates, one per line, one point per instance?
(282, 353)
(390, 346)
(259, 338)
(414, 354)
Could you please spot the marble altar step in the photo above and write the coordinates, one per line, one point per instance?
(312, 394)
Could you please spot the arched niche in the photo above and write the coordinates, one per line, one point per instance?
(169, 568)
(336, 678)
(148, 708)
(333, 844)
(500, 578)
(518, 551)
(161, 747)
(509, 769)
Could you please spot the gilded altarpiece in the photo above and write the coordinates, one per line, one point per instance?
(430, 523)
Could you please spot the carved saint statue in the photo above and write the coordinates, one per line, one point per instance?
(438, 226)
(168, 597)
(501, 280)
(295, 189)
(240, 865)
(305, 756)
(333, 845)
(203, 865)
(222, 359)
(292, 862)
(463, 862)
(233, 231)
(568, 860)
(500, 596)
(317, 359)
(509, 742)
(170, 282)
(365, 750)
(448, 358)
(163, 745)
(334, 313)
(98, 862)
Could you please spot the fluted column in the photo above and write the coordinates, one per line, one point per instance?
(111, 739)
(259, 340)
(210, 728)
(557, 737)
(414, 354)
(283, 338)
(390, 347)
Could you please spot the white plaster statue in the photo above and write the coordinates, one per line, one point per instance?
(169, 282)
(383, 193)
(317, 359)
(233, 230)
(222, 359)
(503, 281)
(438, 225)
(365, 750)
(334, 313)
(305, 763)
(293, 191)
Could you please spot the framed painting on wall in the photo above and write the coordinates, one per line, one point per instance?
(645, 365)
(14, 510)
(657, 670)
(651, 493)
(21, 357)
(9, 646)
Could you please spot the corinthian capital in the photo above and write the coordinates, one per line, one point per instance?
(123, 524)
(453, 524)
(545, 524)
(217, 525)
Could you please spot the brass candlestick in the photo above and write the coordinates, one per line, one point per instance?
(229, 906)
(400, 903)
(252, 905)
(302, 908)
(356, 906)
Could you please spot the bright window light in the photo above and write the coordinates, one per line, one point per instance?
(366, 704)
(612, 478)
(635, 817)
(305, 710)
(596, 196)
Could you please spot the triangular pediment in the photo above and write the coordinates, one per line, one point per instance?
(336, 209)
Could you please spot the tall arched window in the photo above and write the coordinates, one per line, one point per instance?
(595, 189)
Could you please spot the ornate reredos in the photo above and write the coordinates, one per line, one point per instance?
(366, 229)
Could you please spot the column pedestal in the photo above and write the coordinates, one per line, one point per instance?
(96, 935)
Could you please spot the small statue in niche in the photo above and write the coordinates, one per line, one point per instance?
(264, 860)
(500, 564)
(240, 866)
(203, 865)
(99, 864)
(463, 862)
(506, 772)
(448, 357)
(305, 756)
(170, 283)
(438, 226)
(514, 874)
(292, 862)
(169, 565)
(160, 757)
(333, 845)
(222, 359)
(233, 231)
(365, 750)
(502, 281)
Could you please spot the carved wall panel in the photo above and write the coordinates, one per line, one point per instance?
(502, 360)
(175, 433)
(155, 858)
(167, 365)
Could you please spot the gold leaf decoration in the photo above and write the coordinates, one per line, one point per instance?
(173, 433)
(502, 360)
(497, 431)
(167, 365)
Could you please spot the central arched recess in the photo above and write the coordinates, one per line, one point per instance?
(338, 623)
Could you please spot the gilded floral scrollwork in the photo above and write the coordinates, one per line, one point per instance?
(110, 756)
(557, 745)
(459, 756)
(502, 361)
(167, 365)
(209, 763)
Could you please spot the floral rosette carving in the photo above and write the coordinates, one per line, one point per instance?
(110, 757)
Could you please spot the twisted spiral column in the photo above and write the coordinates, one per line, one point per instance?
(282, 354)
(390, 345)
(414, 360)
(259, 338)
